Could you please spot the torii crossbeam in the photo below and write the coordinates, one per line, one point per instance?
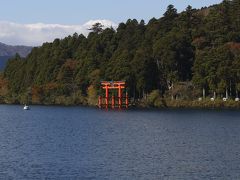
(109, 85)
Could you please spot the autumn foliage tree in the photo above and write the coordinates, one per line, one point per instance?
(200, 47)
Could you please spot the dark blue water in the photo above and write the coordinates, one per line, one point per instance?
(85, 143)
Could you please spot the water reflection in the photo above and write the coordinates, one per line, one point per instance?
(87, 143)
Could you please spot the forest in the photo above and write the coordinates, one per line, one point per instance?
(178, 57)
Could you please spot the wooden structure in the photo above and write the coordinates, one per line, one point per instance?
(120, 101)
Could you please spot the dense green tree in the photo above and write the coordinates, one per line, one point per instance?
(196, 48)
(97, 28)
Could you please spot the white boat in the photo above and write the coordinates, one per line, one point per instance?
(26, 107)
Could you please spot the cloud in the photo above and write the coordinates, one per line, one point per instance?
(38, 33)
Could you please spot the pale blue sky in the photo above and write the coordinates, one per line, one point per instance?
(32, 22)
(81, 11)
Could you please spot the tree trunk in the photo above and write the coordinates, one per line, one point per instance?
(214, 95)
(226, 93)
(172, 91)
(203, 93)
(134, 93)
(230, 89)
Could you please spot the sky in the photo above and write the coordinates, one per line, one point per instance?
(29, 22)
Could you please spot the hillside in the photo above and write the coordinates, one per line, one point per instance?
(178, 56)
(3, 61)
(7, 51)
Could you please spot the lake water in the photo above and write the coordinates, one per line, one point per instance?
(85, 143)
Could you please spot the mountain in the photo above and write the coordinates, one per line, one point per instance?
(7, 51)
(180, 55)
(3, 61)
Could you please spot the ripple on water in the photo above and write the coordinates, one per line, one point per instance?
(86, 143)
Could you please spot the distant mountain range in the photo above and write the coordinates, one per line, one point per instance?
(8, 51)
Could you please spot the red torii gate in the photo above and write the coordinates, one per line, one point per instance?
(108, 85)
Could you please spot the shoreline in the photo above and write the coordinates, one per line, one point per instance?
(164, 104)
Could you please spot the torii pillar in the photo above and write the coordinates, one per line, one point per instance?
(119, 85)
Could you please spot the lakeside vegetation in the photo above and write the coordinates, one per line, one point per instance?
(168, 62)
